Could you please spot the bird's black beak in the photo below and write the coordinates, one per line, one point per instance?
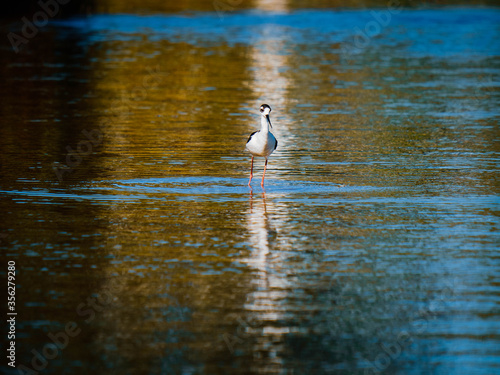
(269, 121)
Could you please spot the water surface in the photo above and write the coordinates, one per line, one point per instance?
(372, 249)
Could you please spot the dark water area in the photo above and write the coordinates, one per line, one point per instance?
(140, 249)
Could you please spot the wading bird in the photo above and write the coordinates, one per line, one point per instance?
(262, 142)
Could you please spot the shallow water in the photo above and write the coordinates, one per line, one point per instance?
(372, 249)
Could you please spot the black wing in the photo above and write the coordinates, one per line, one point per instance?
(251, 135)
(276, 144)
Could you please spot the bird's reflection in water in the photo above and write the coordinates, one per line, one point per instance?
(262, 234)
(265, 302)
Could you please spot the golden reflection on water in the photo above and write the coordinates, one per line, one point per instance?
(172, 111)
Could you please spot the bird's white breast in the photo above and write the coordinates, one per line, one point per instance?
(261, 144)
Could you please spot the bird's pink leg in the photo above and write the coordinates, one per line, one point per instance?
(251, 173)
(264, 174)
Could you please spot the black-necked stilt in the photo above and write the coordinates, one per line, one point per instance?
(262, 142)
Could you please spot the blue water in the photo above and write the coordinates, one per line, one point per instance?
(466, 34)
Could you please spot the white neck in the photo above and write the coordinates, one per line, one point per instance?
(264, 125)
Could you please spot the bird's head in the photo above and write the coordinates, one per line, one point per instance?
(265, 110)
